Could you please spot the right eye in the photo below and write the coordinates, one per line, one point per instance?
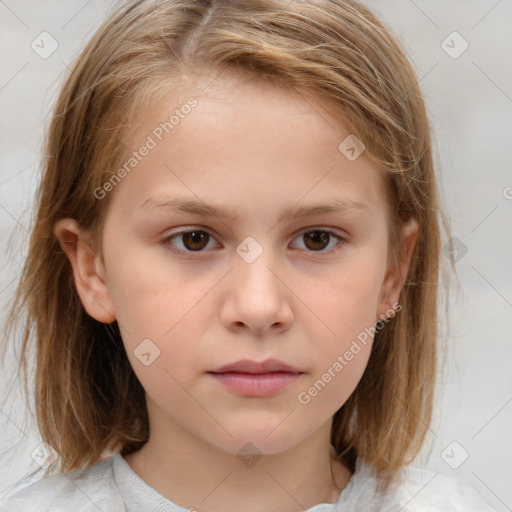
(191, 240)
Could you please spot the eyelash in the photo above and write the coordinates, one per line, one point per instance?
(166, 242)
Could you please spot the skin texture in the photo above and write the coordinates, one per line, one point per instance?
(259, 150)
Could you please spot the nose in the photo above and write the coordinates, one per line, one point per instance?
(257, 297)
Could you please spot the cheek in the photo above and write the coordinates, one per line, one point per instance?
(158, 302)
(344, 300)
(162, 317)
(344, 304)
(347, 308)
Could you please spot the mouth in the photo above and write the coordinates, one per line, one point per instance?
(256, 379)
(256, 368)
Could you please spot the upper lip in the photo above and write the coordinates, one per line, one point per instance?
(248, 366)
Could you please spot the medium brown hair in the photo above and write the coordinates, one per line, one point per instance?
(89, 402)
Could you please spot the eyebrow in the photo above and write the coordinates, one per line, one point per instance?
(192, 206)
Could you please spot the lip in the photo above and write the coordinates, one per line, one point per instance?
(255, 367)
(256, 379)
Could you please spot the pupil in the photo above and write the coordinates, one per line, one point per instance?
(192, 238)
(317, 237)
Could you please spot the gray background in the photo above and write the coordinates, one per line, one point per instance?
(470, 103)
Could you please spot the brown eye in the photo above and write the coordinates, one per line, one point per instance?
(319, 240)
(194, 240)
(316, 240)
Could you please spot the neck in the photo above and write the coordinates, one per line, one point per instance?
(194, 474)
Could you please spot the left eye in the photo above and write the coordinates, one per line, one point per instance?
(317, 240)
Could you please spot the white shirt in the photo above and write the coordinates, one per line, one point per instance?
(112, 486)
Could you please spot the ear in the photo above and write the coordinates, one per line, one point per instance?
(396, 277)
(88, 269)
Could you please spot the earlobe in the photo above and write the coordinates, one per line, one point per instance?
(88, 270)
(396, 277)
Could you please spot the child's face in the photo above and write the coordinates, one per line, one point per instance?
(258, 152)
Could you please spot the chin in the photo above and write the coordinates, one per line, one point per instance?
(258, 441)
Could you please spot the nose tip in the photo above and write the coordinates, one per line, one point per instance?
(257, 297)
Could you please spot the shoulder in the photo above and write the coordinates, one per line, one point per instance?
(84, 490)
(417, 490)
(425, 490)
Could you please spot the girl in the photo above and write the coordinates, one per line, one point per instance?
(232, 278)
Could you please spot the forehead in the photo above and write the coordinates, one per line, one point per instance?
(234, 137)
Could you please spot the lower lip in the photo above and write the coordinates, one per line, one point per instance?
(256, 384)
